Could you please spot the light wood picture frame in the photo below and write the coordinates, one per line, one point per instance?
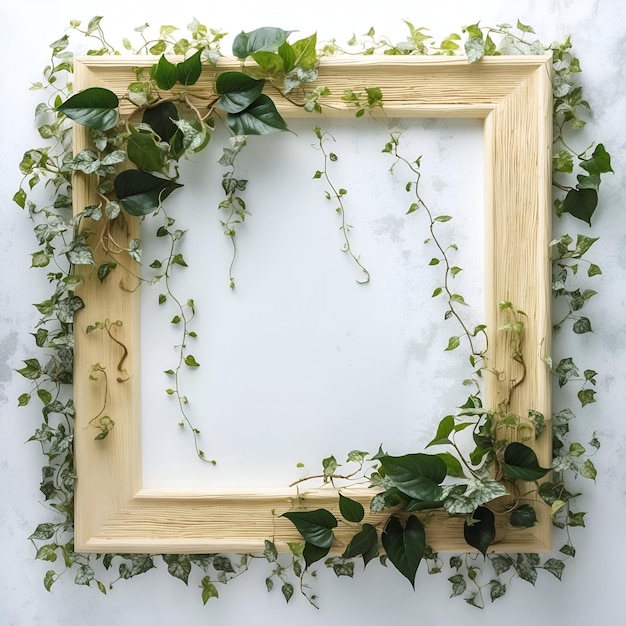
(513, 98)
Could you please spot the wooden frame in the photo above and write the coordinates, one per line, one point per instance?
(513, 96)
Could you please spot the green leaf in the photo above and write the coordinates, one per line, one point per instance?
(262, 39)
(496, 590)
(188, 71)
(160, 119)
(312, 553)
(586, 396)
(599, 163)
(446, 426)
(179, 566)
(208, 590)
(141, 193)
(481, 531)
(582, 325)
(190, 361)
(144, 153)
(270, 62)
(305, 52)
(453, 464)
(523, 516)
(287, 590)
(453, 343)
(94, 107)
(581, 203)
(351, 510)
(588, 470)
(406, 546)
(555, 567)
(260, 118)
(520, 462)
(364, 543)
(417, 475)
(314, 526)
(164, 73)
(237, 91)
(32, 369)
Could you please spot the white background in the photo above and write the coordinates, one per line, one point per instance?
(591, 585)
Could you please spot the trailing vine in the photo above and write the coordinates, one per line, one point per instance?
(159, 132)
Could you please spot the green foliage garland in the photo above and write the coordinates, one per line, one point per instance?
(165, 130)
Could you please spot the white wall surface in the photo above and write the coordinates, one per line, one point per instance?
(591, 589)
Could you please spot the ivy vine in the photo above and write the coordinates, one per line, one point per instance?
(164, 129)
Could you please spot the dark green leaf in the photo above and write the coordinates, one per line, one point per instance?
(523, 517)
(260, 118)
(446, 426)
(581, 203)
(314, 526)
(160, 117)
(144, 153)
(164, 73)
(364, 543)
(141, 193)
(520, 462)
(351, 510)
(481, 531)
(262, 39)
(237, 91)
(417, 475)
(312, 553)
(582, 325)
(599, 163)
(94, 107)
(188, 71)
(405, 547)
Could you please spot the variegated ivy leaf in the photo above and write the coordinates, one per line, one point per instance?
(115, 157)
(134, 250)
(112, 209)
(194, 139)
(297, 77)
(85, 161)
(477, 493)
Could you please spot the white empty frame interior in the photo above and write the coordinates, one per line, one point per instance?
(115, 510)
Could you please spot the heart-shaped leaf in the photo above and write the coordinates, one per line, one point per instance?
(523, 517)
(260, 118)
(405, 547)
(144, 153)
(581, 203)
(262, 39)
(164, 73)
(351, 510)
(237, 91)
(188, 71)
(364, 543)
(481, 531)
(520, 462)
(142, 193)
(417, 475)
(94, 107)
(313, 553)
(314, 526)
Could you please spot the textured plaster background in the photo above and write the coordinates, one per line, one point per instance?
(592, 586)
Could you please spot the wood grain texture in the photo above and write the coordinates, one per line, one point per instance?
(513, 97)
